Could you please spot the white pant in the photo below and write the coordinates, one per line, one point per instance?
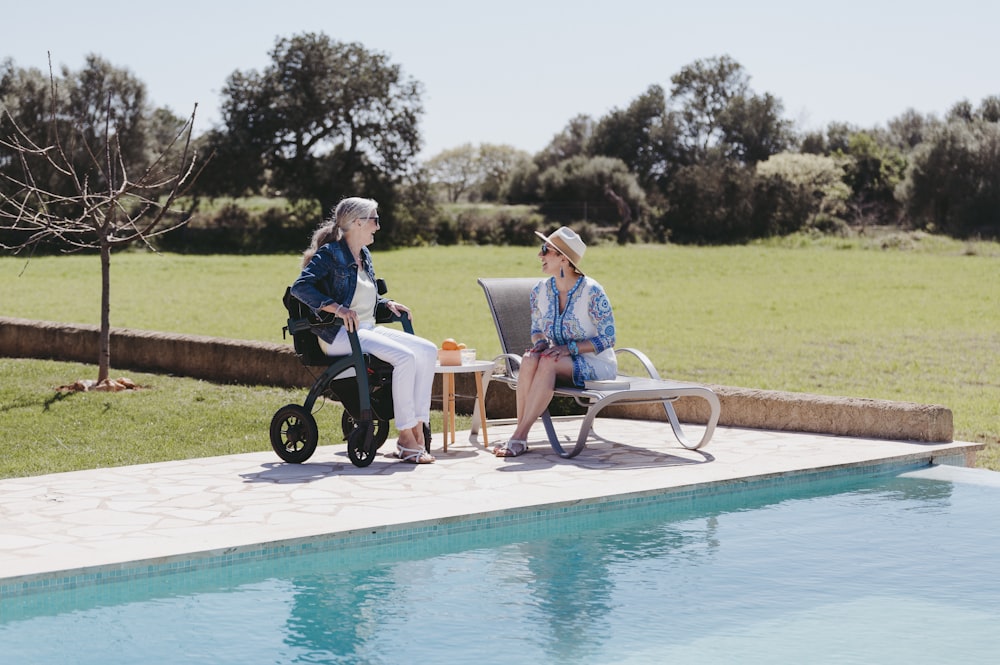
(413, 360)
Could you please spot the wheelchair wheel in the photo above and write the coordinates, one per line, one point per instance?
(348, 424)
(294, 434)
(361, 445)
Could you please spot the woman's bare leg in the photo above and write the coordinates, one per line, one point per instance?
(538, 393)
(525, 377)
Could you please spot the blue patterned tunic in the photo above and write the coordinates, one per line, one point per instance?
(587, 316)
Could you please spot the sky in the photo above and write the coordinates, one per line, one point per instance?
(515, 72)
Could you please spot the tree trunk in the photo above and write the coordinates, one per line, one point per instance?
(624, 213)
(104, 356)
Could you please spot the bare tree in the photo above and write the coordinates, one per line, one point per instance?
(49, 197)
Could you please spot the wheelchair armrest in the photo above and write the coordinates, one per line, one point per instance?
(298, 325)
(385, 315)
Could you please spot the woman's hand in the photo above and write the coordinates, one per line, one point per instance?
(555, 352)
(539, 346)
(399, 309)
(544, 349)
(349, 316)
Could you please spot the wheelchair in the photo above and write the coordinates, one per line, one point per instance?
(360, 382)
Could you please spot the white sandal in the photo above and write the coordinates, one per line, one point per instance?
(511, 448)
(414, 455)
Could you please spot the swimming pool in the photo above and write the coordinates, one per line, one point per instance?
(870, 568)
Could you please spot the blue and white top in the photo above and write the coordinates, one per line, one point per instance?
(587, 316)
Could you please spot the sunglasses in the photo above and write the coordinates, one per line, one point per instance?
(546, 248)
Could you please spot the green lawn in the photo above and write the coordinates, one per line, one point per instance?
(918, 323)
(44, 431)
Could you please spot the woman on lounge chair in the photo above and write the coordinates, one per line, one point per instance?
(572, 330)
(338, 277)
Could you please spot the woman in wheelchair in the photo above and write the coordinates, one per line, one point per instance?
(338, 277)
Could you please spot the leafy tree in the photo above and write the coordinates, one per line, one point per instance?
(76, 110)
(953, 183)
(100, 190)
(704, 90)
(712, 120)
(753, 129)
(711, 202)
(576, 189)
(989, 109)
(874, 162)
(794, 189)
(720, 113)
(813, 143)
(961, 111)
(838, 137)
(496, 165)
(456, 170)
(322, 121)
(570, 142)
(873, 170)
(523, 181)
(479, 173)
(644, 136)
(415, 211)
(24, 102)
(522, 184)
(909, 129)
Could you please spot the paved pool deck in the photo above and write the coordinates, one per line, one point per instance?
(106, 519)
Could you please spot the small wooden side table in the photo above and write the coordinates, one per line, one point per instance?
(448, 372)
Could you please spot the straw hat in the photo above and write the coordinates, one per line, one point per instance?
(567, 242)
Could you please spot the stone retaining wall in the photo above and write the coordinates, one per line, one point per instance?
(211, 358)
(260, 363)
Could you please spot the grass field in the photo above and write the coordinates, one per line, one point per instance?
(169, 418)
(917, 322)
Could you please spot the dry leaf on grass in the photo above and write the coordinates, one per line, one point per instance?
(108, 385)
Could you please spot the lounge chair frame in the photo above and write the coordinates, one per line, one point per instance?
(508, 299)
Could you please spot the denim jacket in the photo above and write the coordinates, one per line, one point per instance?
(331, 276)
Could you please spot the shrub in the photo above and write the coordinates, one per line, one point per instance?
(236, 229)
(953, 184)
(489, 225)
(793, 191)
(710, 203)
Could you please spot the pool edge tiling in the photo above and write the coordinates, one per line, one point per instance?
(86, 527)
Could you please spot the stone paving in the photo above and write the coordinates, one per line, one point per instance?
(158, 513)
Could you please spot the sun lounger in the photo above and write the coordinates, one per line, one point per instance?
(508, 301)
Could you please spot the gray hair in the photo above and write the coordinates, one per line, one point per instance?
(332, 230)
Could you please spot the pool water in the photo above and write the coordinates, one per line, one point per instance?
(877, 569)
